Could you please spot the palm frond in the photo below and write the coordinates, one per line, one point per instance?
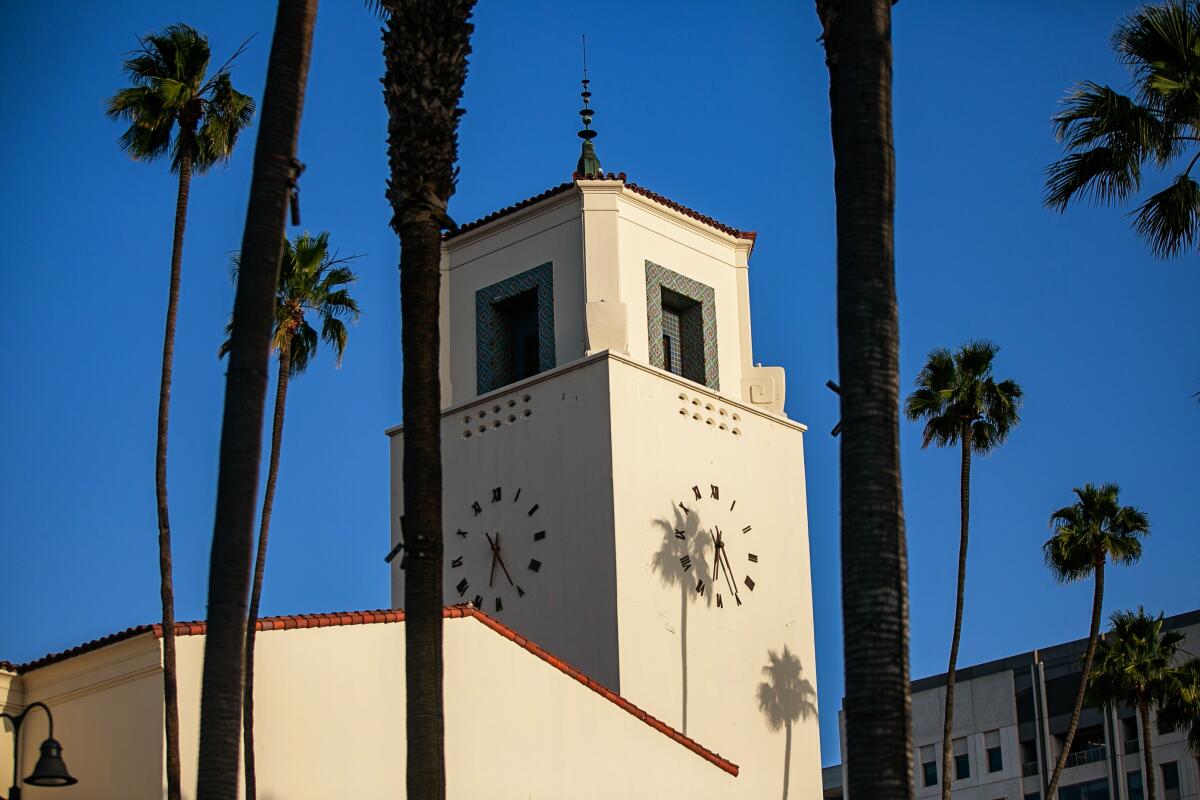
(1101, 174)
(303, 348)
(1095, 115)
(227, 112)
(1160, 44)
(1168, 219)
(333, 333)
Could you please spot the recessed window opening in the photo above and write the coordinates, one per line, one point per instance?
(519, 315)
(962, 762)
(683, 336)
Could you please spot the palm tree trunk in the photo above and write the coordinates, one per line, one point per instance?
(420, 276)
(787, 758)
(260, 565)
(878, 710)
(166, 582)
(1149, 778)
(245, 395)
(964, 499)
(683, 654)
(1093, 638)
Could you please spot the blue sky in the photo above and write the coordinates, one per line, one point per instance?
(725, 111)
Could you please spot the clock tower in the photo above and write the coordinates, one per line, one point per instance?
(622, 486)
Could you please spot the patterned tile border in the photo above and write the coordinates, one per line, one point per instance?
(493, 362)
(659, 278)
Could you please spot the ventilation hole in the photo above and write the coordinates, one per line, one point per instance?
(467, 419)
(723, 412)
(525, 399)
(710, 421)
(511, 402)
(683, 397)
(696, 401)
(496, 409)
(708, 407)
(496, 424)
(683, 411)
(737, 432)
(527, 413)
(482, 413)
(483, 428)
(724, 427)
(512, 417)
(736, 418)
(466, 434)
(695, 416)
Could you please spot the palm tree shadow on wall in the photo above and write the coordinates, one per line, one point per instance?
(668, 562)
(784, 698)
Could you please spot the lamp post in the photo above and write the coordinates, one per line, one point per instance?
(50, 769)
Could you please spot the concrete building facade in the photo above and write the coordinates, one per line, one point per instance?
(1010, 720)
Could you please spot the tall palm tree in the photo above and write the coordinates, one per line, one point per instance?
(174, 107)
(1111, 136)
(425, 48)
(857, 35)
(272, 185)
(311, 279)
(962, 403)
(1133, 668)
(1092, 531)
(1181, 706)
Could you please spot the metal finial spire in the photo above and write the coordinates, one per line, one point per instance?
(589, 162)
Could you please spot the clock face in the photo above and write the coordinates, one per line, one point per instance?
(715, 546)
(493, 551)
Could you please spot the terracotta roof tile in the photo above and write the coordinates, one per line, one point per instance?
(618, 176)
(293, 621)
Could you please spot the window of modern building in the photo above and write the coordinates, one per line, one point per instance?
(1087, 746)
(1133, 784)
(1129, 730)
(1092, 790)
(1029, 757)
(929, 765)
(962, 762)
(995, 758)
(1163, 727)
(1033, 796)
(1170, 780)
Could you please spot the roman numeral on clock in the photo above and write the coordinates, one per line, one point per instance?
(496, 495)
(749, 583)
(700, 586)
(517, 496)
(499, 604)
(696, 491)
(478, 509)
(461, 532)
(520, 591)
(462, 587)
(686, 510)
(537, 537)
(752, 557)
(478, 601)
(680, 535)
(534, 564)
(457, 562)
(746, 529)
(533, 510)
(714, 491)
(686, 562)
(720, 602)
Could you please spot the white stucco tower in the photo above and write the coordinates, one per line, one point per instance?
(622, 486)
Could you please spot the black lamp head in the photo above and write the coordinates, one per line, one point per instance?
(50, 769)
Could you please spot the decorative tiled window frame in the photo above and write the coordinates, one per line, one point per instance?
(659, 278)
(493, 366)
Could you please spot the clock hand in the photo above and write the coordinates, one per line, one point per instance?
(500, 558)
(495, 554)
(716, 540)
(728, 573)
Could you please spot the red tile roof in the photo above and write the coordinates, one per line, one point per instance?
(293, 621)
(619, 176)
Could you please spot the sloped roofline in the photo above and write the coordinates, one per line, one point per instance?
(340, 618)
(620, 177)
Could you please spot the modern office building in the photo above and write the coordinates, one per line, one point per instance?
(1010, 719)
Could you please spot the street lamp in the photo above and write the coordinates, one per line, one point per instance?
(50, 769)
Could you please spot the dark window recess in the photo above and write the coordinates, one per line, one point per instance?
(995, 759)
(1061, 693)
(1133, 782)
(520, 316)
(1029, 758)
(1093, 790)
(1170, 781)
(1024, 698)
(1033, 796)
(683, 336)
(1129, 729)
(1087, 747)
(962, 767)
(929, 770)
(1164, 727)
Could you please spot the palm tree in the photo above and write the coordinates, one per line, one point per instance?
(174, 107)
(1133, 668)
(425, 48)
(272, 184)
(1111, 136)
(857, 35)
(962, 403)
(785, 698)
(310, 279)
(1181, 706)
(1095, 529)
